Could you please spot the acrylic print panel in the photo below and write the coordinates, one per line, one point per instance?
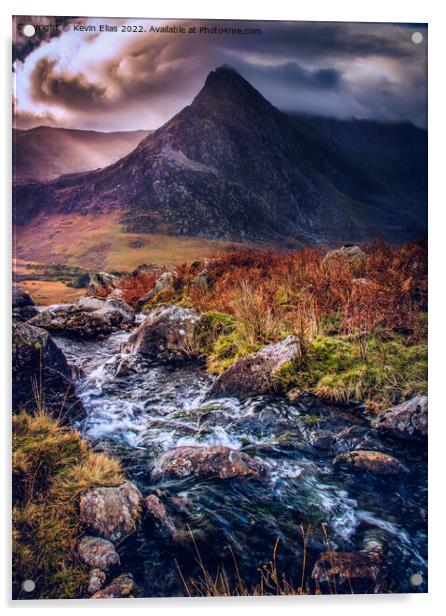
(220, 308)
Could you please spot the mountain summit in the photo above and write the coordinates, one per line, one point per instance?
(232, 166)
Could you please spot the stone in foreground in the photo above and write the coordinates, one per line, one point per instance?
(157, 513)
(168, 333)
(121, 587)
(408, 420)
(216, 461)
(114, 513)
(374, 462)
(41, 375)
(96, 581)
(98, 553)
(343, 567)
(255, 374)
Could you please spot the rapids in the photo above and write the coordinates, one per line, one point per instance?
(137, 409)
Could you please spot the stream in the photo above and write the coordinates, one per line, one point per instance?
(138, 410)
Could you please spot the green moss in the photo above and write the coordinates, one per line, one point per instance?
(51, 466)
(341, 369)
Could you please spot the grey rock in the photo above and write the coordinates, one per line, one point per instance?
(255, 374)
(37, 361)
(23, 307)
(374, 462)
(114, 513)
(119, 588)
(96, 581)
(214, 461)
(98, 553)
(168, 333)
(408, 420)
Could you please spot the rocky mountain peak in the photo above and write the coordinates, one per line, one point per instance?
(225, 86)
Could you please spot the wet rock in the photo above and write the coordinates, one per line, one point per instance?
(350, 438)
(354, 255)
(90, 317)
(23, 307)
(95, 303)
(255, 374)
(164, 283)
(323, 440)
(168, 333)
(114, 513)
(119, 588)
(37, 361)
(215, 461)
(408, 420)
(157, 513)
(179, 503)
(374, 462)
(339, 568)
(98, 553)
(96, 581)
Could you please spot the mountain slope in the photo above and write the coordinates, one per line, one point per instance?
(232, 166)
(44, 153)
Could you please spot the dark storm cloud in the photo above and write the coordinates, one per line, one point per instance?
(291, 73)
(364, 70)
(46, 29)
(64, 90)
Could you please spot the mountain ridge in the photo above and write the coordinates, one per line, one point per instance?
(232, 166)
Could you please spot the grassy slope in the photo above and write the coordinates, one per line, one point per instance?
(98, 244)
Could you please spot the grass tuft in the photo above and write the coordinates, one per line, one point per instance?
(52, 465)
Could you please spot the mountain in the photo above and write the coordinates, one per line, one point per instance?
(232, 166)
(44, 153)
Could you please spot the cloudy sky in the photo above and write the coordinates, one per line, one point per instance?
(138, 80)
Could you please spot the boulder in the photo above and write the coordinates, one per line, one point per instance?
(339, 568)
(407, 420)
(164, 283)
(98, 553)
(96, 581)
(157, 513)
(114, 513)
(215, 461)
(102, 283)
(168, 333)
(41, 376)
(255, 374)
(354, 255)
(23, 307)
(90, 317)
(119, 588)
(374, 462)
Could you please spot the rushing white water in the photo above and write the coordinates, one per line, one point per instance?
(148, 408)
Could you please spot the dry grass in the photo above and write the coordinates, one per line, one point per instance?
(51, 466)
(368, 323)
(271, 580)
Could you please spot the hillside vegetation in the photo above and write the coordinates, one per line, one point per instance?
(361, 324)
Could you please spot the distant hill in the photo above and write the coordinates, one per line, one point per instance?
(231, 166)
(44, 153)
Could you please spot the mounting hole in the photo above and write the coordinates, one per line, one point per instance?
(417, 38)
(29, 30)
(416, 579)
(28, 586)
